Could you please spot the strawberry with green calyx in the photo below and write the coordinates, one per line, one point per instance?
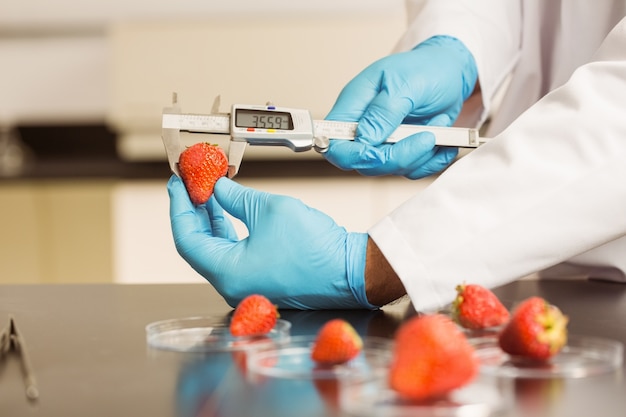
(431, 358)
(255, 315)
(336, 342)
(537, 330)
(476, 307)
(200, 166)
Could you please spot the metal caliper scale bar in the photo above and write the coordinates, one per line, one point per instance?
(268, 125)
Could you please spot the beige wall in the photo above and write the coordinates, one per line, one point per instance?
(55, 231)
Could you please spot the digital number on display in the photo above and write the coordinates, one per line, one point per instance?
(263, 119)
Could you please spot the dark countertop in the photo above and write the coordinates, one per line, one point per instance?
(88, 349)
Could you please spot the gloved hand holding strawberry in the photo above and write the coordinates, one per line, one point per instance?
(294, 255)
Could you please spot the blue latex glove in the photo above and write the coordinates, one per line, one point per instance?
(425, 86)
(295, 255)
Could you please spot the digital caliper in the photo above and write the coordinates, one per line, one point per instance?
(269, 125)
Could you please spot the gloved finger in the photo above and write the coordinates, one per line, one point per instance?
(383, 115)
(347, 155)
(411, 152)
(405, 155)
(412, 149)
(203, 222)
(243, 203)
(178, 193)
(184, 216)
(221, 225)
(441, 159)
(441, 119)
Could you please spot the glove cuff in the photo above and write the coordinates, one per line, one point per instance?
(356, 251)
(469, 71)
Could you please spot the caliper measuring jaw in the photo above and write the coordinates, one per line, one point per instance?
(170, 134)
(174, 122)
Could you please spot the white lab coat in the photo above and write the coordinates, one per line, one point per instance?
(550, 188)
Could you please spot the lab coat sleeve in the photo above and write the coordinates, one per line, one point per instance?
(550, 186)
(490, 29)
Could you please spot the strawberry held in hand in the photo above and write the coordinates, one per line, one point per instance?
(337, 342)
(255, 315)
(537, 330)
(200, 166)
(431, 357)
(476, 307)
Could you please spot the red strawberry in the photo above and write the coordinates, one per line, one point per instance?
(336, 342)
(537, 330)
(200, 166)
(255, 315)
(476, 307)
(431, 357)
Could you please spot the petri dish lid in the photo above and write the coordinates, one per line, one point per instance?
(292, 360)
(582, 356)
(207, 334)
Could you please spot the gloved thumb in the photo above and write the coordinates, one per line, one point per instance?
(241, 202)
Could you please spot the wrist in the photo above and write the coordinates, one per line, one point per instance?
(382, 284)
(356, 250)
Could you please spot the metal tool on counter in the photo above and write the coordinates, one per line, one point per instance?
(11, 341)
(269, 125)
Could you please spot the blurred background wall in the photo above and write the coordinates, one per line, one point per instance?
(82, 87)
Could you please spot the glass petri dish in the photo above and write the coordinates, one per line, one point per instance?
(208, 334)
(373, 397)
(292, 359)
(582, 356)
